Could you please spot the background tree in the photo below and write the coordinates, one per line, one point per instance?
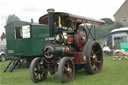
(118, 25)
(108, 21)
(12, 18)
(101, 31)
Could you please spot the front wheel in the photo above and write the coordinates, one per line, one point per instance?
(66, 70)
(37, 70)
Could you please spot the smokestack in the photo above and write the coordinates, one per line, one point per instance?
(51, 22)
(31, 20)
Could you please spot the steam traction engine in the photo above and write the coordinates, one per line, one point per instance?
(68, 49)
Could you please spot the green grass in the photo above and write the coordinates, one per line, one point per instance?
(113, 73)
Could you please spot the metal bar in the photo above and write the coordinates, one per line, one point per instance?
(9, 64)
(94, 31)
(89, 31)
(18, 60)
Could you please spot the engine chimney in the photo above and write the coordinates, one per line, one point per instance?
(51, 22)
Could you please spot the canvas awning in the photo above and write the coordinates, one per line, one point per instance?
(71, 17)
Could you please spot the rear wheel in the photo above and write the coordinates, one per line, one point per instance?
(66, 70)
(37, 70)
(2, 57)
(94, 57)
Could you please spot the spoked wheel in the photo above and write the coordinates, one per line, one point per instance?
(94, 57)
(37, 70)
(66, 70)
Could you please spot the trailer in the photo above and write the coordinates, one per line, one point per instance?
(24, 42)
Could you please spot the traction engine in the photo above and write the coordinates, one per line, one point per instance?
(69, 47)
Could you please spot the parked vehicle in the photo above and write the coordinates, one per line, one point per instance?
(3, 55)
(114, 39)
(68, 49)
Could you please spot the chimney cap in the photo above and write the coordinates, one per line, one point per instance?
(50, 10)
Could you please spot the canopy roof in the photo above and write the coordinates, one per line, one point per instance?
(117, 30)
(72, 18)
(120, 29)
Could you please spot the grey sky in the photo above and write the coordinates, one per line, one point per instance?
(27, 9)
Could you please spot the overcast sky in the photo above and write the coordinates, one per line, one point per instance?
(27, 9)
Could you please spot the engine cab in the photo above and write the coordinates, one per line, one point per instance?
(67, 36)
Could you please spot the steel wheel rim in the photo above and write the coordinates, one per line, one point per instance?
(96, 58)
(39, 71)
(68, 70)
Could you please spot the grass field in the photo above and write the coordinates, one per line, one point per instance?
(113, 73)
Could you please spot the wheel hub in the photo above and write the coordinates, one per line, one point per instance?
(69, 70)
(94, 59)
(94, 56)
